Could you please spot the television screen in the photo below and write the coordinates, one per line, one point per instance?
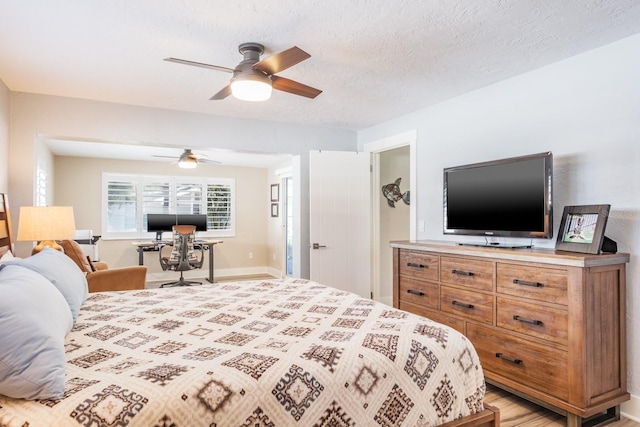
(503, 198)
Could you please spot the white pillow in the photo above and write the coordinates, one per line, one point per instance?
(8, 256)
(34, 319)
(60, 270)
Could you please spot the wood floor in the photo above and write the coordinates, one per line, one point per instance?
(515, 411)
(221, 279)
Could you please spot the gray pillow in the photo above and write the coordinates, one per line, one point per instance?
(35, 319)
(60, 270)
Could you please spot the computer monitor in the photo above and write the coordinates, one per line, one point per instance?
(199, 220)
(159, 223)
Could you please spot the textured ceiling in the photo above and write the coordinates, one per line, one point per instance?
(373, 59)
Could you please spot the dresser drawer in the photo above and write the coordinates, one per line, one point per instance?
(436, 316)
(543, 284)
(419, 265)
(537, 366)
(470, 305)
(532, 319)
(421, 293)
(467, 272)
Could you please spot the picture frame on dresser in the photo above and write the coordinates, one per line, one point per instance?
(582, 228)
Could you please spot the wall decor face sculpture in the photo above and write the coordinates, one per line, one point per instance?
(393, 194)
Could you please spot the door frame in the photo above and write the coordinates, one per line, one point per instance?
(375, 148)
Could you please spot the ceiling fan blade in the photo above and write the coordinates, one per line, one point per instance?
(208, 162)
(286, 85)
(164, 157)
(200, 64)
(282, 61)
(224, 92)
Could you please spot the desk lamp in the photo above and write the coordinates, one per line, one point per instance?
(46, 224)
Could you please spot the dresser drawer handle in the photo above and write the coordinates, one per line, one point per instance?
(461, 304)
(510, 359)
(412, 264)
(412, 292)
(525, 320)
(526, 283)
(462, 273)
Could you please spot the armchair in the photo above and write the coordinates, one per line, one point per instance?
(99, 276)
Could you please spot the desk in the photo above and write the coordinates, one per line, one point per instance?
(152, 245)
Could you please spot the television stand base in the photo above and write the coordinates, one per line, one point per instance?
(497, 245)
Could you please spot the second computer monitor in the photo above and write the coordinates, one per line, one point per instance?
(199, 220)
(160, 223)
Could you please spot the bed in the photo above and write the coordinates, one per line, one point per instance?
(256, 353)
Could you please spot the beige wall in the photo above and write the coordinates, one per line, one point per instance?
(4, 138)
(78, 182)
(35, 115)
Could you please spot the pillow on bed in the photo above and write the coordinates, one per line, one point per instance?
(8, 256)
(34, 319)
(60, 270)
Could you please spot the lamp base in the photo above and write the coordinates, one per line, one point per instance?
(46, 244)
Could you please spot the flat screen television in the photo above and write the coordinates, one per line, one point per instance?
(501, 198)
(159, 223)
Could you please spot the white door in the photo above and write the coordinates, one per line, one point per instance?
(340, 218)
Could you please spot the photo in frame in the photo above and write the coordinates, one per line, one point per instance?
(275, 192)
(274, 210)
(582, 228)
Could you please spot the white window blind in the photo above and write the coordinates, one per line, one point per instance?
(128, 198)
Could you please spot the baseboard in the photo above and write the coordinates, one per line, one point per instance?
(274, 272)
(631, 408)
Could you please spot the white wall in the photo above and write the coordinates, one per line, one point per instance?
(34, 115)
(4, 138)
(586, 110)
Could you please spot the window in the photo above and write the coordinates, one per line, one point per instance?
(128, 198)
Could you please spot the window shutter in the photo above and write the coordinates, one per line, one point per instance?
(121, 206)
(189, 198)
(129, 198)
(219, 206)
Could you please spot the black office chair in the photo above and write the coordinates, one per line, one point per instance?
(183, 256)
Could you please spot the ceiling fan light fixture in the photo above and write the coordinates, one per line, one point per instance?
(187, 160)
(251, 87)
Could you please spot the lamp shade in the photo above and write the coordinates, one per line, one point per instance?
(46, 224)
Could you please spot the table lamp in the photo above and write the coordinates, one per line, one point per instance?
(46, 224)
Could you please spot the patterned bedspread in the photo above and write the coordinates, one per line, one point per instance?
(261, 353)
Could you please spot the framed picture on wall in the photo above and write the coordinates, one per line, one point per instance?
(582, 228)
(274, 210)
(275, 192)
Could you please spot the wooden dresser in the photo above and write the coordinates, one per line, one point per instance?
(548, 325)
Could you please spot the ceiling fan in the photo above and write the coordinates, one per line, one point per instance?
(189, 160)
(253, 79)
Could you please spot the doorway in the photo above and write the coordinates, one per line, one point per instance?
(288, 225)
(393, 212)
(391, 223)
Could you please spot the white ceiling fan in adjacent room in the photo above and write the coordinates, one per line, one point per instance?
(189, 159)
